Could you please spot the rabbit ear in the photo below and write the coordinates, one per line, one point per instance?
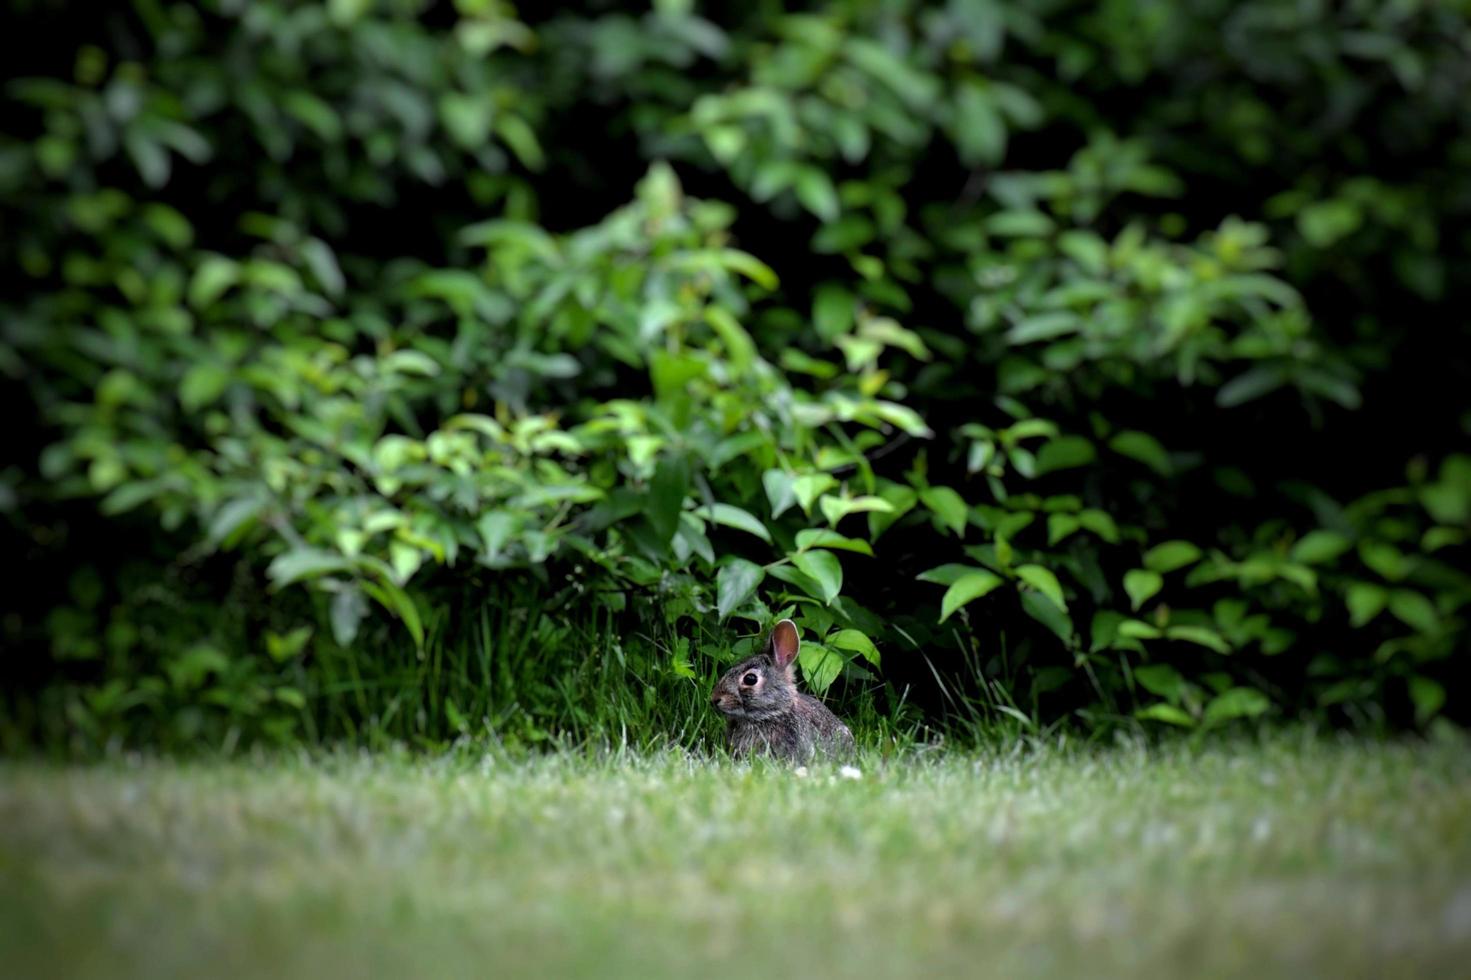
(784, 643)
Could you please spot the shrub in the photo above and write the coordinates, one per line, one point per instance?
(512, 373)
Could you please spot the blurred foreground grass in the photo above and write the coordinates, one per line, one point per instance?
(1288, 857)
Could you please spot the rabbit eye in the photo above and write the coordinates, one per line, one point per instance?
(749, 680)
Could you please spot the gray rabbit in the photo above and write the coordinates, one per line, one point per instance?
(766, 713)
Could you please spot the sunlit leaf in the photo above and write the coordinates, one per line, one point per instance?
(729, 515)
(1238, 702)
(1141, 585)
(824, 569)
(948, 507)
(735, 583)
(967, 588)
(1044, 581)
(1170, 556)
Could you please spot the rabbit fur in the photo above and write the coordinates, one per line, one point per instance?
(765, 713)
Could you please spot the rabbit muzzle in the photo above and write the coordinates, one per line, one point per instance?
(727, 704)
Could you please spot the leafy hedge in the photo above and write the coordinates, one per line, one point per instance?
(1046, 360)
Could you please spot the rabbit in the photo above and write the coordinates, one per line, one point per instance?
(766, 713)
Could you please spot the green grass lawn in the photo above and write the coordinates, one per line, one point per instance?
(1291, 857)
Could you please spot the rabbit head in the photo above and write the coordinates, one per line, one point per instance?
(763, 686)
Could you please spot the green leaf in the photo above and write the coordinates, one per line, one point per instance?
(323, 262)
(945, 574)
(169, 225)
(1428, 696)
(667, 491)
(1019, 224)
(737, 342)
(1167, 713)
(815, 190)
(1365, 601)
(1331, 386)
(1323, 223)
(918, 88)
(735, 583)
(741, 445)
(233, 516)
(979, 132)
(1144, 448)
(1162, 679)
(948, 506)
(495, 528)
(400, 604)
(467, 118)
(1385, 559)
(1137, 629)
(1046, 612)
(820, 666)
(836, 508)
(521, 138)
(902, 416)
(290, 696)
(1449, 499)
(809, 487)
(189, 669)
(1086, 249)
(1043, 326)
(725, 142)
(1142, 585)
(202, 384)
(731, 516)
(1319, 547)
(1446, 502)
(126, 496)
(833, 310)
(793, 576)
(282, 647)
(1251, 385)
(411, 362)
(1101, 524)
(1065, 452)
(900, 498)
(1414, 610)
(824, 569)
(313, 113)
(749, 266)
(1044, 582)
(347, 610)
(1238, 702)
(679, 658)
(1033, 429)
(1200, 635)
(848, 234)
(824, 538)
(215, 275)
(885, 329)
(530, 238)
(855, 641)
(405, 560)
(149, 156)
(1436, 538)
(304, 563)
(1170, 556)
(779, 491)
(967, 588)
(1061, 526)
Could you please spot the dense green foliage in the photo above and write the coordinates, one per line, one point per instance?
(419, 369)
